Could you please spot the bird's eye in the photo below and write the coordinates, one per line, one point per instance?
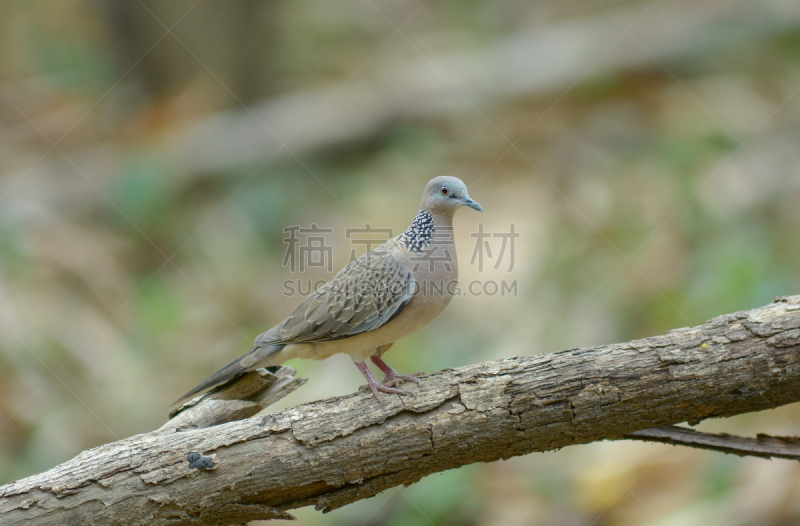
(444, 190)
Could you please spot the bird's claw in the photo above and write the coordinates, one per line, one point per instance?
(389, 383)
(391, 380)
(383, 388)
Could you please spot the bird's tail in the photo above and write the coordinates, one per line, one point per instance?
(251, 360)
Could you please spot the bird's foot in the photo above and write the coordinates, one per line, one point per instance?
(384, 388)
(392, 379)
(378, 386)
(392, 376)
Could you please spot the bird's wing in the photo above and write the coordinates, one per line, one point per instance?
(366, 294)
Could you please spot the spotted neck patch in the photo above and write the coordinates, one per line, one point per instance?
(418, 235)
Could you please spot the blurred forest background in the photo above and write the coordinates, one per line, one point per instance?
(153, 151)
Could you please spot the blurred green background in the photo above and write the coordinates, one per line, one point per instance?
(152, 152)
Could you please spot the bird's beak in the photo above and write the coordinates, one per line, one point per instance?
(472, 204)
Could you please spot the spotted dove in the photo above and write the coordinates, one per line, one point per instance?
(378, 298)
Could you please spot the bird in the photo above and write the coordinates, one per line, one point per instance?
(378, 298)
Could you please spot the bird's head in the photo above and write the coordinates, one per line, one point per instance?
(445, 194)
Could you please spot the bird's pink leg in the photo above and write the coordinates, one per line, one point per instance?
(375, 385)
(393, 376)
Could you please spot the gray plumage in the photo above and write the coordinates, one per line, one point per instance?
(364, 295)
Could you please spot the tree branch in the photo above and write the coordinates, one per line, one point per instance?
(333, 452)
(764, 446)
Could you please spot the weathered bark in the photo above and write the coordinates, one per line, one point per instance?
(333, 452)
(235, 400)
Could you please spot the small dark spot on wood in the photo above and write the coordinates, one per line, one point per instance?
(197, 461)
(204, 463)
